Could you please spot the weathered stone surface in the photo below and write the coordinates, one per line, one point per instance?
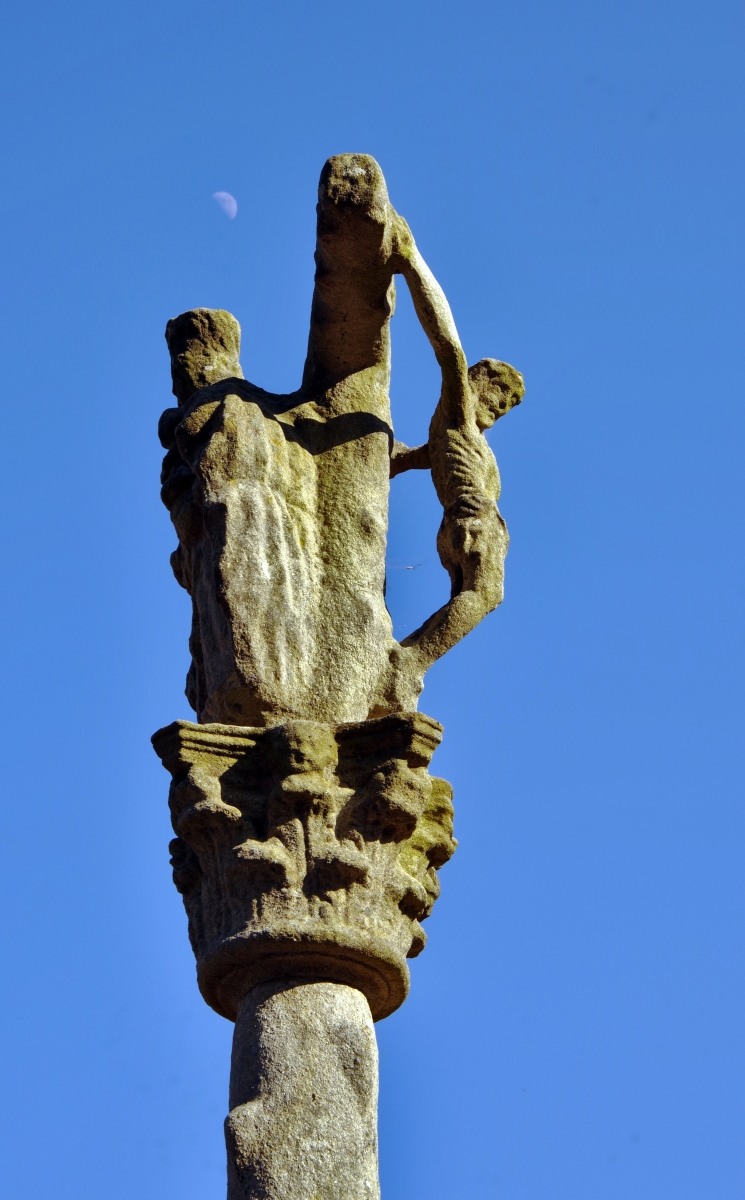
(303, 1095)
(280, 501)
(307, 850)
(309, 832)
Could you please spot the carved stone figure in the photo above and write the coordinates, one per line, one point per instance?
(309, 832)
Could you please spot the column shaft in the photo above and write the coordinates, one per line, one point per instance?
(303, 1095)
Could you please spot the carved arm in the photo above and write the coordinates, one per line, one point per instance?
(409, 458)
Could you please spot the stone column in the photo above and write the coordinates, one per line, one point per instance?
(307, 857)
(308, 830)
(303, 1095)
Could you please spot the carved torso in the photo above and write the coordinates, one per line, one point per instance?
(286, 566)
(462, 461)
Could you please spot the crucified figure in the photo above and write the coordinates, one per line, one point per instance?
(472, 539)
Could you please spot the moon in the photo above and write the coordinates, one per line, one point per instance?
(228, 203)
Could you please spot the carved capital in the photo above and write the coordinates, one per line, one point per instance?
(307, 851)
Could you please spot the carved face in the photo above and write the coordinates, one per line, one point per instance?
(497, 387)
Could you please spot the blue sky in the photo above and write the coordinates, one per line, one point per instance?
(573, 174)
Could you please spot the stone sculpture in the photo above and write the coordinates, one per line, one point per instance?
(309, 831)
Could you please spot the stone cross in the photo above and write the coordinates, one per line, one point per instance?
(308, 830)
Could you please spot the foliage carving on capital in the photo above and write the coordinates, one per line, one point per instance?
(307, 850)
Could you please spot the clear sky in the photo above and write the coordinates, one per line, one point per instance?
(573, 174)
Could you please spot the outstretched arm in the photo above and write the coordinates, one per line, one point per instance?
(436, 320)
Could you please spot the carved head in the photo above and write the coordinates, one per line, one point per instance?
(303, 746)
(204, 344)
(497, 387)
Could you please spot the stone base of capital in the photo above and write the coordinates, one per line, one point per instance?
(307, 851)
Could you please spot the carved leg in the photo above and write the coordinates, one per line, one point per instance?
(303, 1095)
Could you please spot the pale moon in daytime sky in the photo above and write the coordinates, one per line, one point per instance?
(228, 203)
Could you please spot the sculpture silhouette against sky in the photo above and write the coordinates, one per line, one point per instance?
(309, 831)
